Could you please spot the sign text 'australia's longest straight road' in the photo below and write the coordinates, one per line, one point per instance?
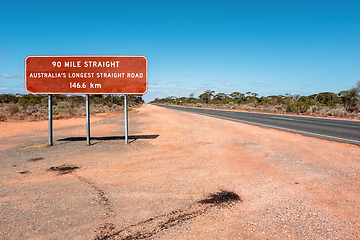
(86, 74)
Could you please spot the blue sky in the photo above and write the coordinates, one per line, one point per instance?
(263, 46)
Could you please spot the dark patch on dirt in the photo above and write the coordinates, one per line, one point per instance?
(36, 159)
(152, 226)
(64, 169)
(24, 172)
(221, 197)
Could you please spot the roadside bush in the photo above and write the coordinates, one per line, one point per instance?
(291, 107)
(350, 99)
(199, 105)
(44, 101)
(250, 108)
(303, 107)
(23, 102)
(13, 108)
(312, 109)
(34, 101)
(298, 107)
(35, 107)
(304, 99)
(63, 105)
(31, 110)
(332, 112)
(94, 109)
(312, 102)
(2, 117)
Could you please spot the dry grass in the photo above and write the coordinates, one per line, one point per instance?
(61, 110)
(337, 111)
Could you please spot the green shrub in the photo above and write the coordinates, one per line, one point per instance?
(331, 112)
(312, 102)
(13, 108)
(23, 102)
(304, 99)
(298, 107)
(199, 105)
(312, 109)
(291, 107)
(250, 108)
(34, 101)
(2, 118)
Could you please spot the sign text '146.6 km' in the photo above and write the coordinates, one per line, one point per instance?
(84, 85)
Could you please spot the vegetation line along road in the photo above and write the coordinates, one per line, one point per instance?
(345, 104)
(35, 107)
(329, 129)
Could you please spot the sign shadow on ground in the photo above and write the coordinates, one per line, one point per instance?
(109, 138)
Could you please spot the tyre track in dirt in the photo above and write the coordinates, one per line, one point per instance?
(149, 228)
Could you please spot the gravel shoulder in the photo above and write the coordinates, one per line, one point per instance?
(183, 176)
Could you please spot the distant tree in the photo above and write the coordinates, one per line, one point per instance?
(207, 96)
(296, 97)
(191, 98)
(325, 98)
(181, 101)
(254, 95)
(219, 98)
(8, 98)
(237, 96)
(135, 99)
(303, 99)
(349, 99)
(273, 99)
(289, 98)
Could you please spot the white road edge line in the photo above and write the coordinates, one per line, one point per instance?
(285, 129)
(282, 118)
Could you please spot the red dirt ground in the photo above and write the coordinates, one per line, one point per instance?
(289, 186)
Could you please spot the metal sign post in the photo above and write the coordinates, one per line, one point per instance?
(126, 118)
(50, 120)
(87, 120)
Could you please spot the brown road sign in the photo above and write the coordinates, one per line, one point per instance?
(86, 74)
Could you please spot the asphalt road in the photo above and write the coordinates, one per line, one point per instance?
(330, 129)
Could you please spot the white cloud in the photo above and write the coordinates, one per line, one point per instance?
(5, 76)
(8, 76)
